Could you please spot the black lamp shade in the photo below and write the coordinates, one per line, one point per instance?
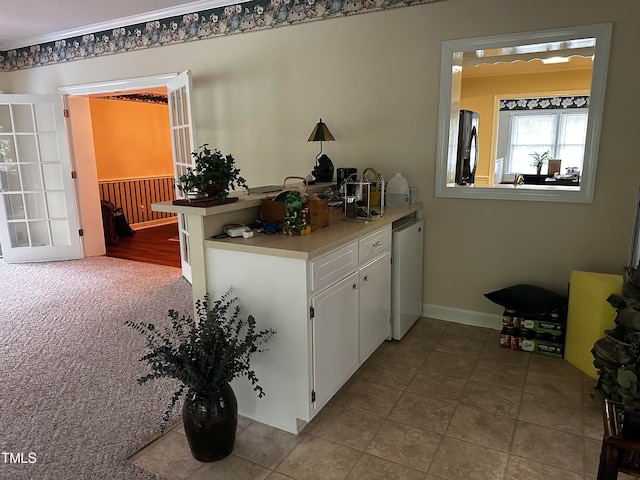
(320, 133)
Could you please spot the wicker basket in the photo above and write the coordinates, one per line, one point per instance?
(272, 209)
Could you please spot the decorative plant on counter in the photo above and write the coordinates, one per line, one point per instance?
(213, 175)
(539, 159)
(205, 355)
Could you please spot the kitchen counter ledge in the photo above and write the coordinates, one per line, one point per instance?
(306, 247)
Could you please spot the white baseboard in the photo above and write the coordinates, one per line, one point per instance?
(458, 315)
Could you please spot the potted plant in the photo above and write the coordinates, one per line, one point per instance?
(539, 159)
(205, 355)
(616, 356)
(213, 175)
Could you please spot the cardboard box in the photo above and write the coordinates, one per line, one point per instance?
(544, 326)
(552, 323)
(542, 347)
(530, 341)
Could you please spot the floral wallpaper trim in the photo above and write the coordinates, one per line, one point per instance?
(240, 18)
(546, 103)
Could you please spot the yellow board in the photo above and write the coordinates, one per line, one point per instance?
(589, 315)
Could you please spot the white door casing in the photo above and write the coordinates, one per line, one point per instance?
(181, 122)
(38, 220)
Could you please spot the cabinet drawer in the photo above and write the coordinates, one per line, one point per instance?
(333, 266)
(374, 244)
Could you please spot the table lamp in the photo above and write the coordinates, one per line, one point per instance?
(323, 171)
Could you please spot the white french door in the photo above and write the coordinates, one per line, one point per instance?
(38, 219)
(183, 143)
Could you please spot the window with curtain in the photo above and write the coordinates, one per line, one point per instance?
(561, 132)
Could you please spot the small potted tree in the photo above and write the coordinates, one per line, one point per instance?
(213, 176)
(205, 355)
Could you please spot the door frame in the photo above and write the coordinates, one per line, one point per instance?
(109, 86)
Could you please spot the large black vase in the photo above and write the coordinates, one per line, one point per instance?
(210, 420)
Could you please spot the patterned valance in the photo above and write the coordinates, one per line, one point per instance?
(233, 19)
(545, 103)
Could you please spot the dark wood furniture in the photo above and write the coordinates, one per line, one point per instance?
(618, 454)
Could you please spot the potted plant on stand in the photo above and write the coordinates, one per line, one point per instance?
(213, 175)
(205, 355)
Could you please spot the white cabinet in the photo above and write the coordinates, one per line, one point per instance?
(335, 338)
(330, 313)
(375, 304)
(351, 318)
(333, 266)
(373, 245)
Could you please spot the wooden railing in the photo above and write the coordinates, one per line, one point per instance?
(135, 196)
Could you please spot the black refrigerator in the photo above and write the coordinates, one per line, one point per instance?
(467, 147)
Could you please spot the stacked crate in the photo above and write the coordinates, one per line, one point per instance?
(542, 334)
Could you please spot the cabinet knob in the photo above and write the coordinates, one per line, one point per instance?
(355, 286)
(366, 278)
(378, 243)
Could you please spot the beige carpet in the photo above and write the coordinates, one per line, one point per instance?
(68, 365)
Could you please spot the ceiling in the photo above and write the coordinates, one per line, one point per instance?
(29, 22)
(525, 67)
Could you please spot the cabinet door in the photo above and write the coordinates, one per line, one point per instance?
(375, 305)
(335, 338)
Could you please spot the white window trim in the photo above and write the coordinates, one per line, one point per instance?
(449, 106)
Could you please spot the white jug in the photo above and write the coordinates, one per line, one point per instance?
(397, 193)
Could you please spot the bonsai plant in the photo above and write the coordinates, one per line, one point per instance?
(538, 160)
(213, 175)
(204, 355)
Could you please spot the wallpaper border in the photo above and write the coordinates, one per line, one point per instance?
(545, 103)
(216, 22)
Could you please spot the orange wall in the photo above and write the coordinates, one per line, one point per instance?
(478, 94)
(131, 139)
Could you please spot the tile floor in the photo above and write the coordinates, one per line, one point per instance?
(446, 402)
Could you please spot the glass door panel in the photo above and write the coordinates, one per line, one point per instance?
(23, 120)
(182, 143)
(37, 204)
(31, 176)
(15, 206)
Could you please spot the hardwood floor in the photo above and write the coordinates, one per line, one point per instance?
(157, 245)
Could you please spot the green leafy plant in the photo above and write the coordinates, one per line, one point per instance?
(214, 174)
(539, 159)
(616, 381)
(630, 289)
(618, 377)
(205, 353)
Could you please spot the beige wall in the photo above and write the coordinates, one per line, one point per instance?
(374, 79)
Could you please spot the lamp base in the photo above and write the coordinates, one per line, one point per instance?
(324, 170)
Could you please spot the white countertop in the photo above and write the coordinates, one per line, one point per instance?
(244, 201)
(339, 232)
